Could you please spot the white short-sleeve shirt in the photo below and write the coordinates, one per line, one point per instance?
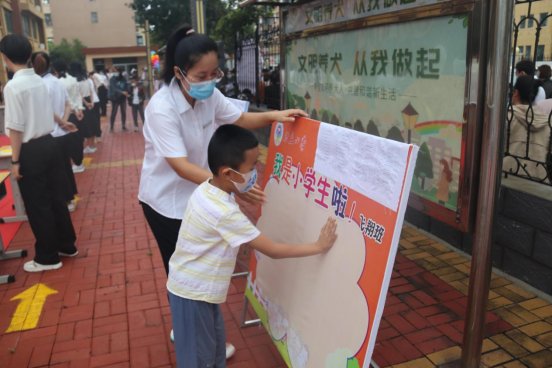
(72, 86)
(28, 107)
(58, 95)
(212, 230)
(174, 129)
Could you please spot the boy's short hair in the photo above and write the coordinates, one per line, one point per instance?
(16, 48)
(228, 145)
(526, 66)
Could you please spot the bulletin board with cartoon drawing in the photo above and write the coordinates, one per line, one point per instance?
(406, 80)
(324, 310)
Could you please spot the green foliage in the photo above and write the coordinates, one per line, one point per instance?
(164, 16)
(67, 51)
(239, 22)
(223, 19)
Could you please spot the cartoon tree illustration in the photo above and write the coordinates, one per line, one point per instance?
(325, 117)
(314, 114)
(395, 134)
(334, 120)
(424, 165)
(358, 126)
(372, 128)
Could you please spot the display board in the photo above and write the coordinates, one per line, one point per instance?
(401, 81)
(324, 310)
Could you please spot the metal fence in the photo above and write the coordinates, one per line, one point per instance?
(257, 63)
(528, 146)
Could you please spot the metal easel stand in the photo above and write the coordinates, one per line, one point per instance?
(18, 253)
(256, 322)
(244, 322)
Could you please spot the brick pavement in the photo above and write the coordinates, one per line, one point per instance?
(111, 308)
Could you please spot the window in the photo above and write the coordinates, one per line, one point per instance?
(27, 28)
(543, 21)
(523, 22)
(140, 40)
(9, 20)
(48, 19)
(94, 17)
(530, 21)
(45, 1)
(540, 53)
(520, 52)
(528, 53)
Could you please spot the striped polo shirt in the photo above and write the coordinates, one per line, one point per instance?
(213, 227)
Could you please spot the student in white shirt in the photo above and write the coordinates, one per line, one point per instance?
(77, 116)
(102, 83)
(180, 119)
(136, 99)
(94, 114)
(63, 128)
(36, 160)
(86, 127)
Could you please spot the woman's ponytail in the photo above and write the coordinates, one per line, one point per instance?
(184, 49)
(168, 69)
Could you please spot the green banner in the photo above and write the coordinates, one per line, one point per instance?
(403, 81)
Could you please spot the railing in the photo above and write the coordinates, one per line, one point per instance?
(257, 64)
(528, 146)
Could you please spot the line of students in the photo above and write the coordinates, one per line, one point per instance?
(31, 117)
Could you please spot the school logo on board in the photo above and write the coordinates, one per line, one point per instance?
(278, 133)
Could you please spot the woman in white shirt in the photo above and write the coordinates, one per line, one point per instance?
(180, 120)
(63, 129)
(76, 117)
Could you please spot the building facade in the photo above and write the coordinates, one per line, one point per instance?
(106, 27)
(24, 17)
(530, 16)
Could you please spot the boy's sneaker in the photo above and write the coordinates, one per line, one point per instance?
(89, 150)
(62, 254)
(32, 266)
(230, 350)
(78, 168)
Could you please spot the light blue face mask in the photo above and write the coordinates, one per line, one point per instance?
(200, 90)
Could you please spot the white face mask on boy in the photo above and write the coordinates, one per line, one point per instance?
(249, 181)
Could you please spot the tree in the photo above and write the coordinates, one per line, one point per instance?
(372, 128)
(223, 18)
(395, 134)
(239, 22)
(164, 16)
(67, 51)
(424, 165)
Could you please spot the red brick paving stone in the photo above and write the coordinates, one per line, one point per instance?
(41, 355)
(433, 345)
(264, 357)
(110, 359)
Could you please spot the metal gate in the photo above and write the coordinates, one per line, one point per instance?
(528, 144)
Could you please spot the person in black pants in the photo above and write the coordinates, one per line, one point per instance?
(102, 82)
(136, 97)
(118, 93)
(36, 159)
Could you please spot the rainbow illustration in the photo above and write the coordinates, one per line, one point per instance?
(434, 126)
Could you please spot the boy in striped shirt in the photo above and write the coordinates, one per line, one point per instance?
(213, 227)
